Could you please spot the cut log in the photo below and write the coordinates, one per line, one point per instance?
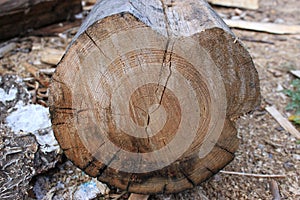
(146, 96)
(16, 17)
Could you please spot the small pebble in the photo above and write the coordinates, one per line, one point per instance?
(296, 156)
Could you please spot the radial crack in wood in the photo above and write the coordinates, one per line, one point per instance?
(151, 89)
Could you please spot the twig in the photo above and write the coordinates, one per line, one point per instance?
(264, 27)
(255, 40)
(47, 71)
(284, 123)
(254, 175)
(296, 73)
(275, 190)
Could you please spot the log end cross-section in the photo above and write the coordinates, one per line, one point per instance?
(146, 96)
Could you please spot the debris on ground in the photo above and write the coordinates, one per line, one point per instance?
(27, 143)
(265, 147)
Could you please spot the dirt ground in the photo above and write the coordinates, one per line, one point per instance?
(265, 147)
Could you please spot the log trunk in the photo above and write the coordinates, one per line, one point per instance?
(16, 17)
(146, 96)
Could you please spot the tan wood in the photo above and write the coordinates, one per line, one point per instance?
(17, 17)
(88, 4)
(248, 4)
(138, 197)
(275, 190)
(146, 96)
(51, 56)
(91, 1)
(264, 27)
(296, 73)
(284, 122)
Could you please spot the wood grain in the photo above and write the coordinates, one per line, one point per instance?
(146, 95)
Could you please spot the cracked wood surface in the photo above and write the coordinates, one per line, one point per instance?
(146, 96)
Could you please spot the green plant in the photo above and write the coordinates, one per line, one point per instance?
(294, 105)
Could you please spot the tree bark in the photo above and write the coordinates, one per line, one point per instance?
(146, 96)
(17, 17)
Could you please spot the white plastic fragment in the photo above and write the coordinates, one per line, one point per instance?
(87, 191)
(79, 16)
(102, 187)
(90, 190)
(29, 118)
(34, 118)
(296, 156)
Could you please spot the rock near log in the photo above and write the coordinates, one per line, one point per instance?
(27, 143)
(146, 96)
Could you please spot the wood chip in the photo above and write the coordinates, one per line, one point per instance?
(51, 56)
(49, 71)
(88, 4)
(86, 8)
(264, 27)
(90, 1)
(284, 122)
(254, 175)
(296, 73)
(7, 48)
(41, 78)
(248, 4)
(275, 190)
(275, 72)
(33, 70)
(138, 197)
